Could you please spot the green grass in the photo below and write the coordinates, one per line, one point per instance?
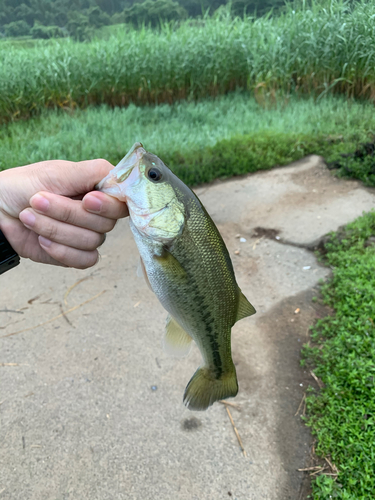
(342, 414)
(200, 141)
(325, 48)
(359, 163)
(19, 42)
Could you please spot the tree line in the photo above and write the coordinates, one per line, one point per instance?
(79, 18)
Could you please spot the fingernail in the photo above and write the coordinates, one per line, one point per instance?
(44, 242)
(39, 202)
(93, 204)
(27, 218)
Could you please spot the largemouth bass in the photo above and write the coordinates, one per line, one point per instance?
(187, 265)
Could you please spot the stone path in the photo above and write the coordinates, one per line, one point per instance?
(91, 407)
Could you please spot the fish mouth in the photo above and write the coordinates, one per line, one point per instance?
(112, 184)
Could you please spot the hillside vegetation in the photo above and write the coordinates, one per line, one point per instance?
(312, 51)
(79, 18)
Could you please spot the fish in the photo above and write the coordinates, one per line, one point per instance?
(186, 264)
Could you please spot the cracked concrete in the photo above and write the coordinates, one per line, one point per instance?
(91, 407)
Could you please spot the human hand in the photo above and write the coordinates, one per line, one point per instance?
(44, 218)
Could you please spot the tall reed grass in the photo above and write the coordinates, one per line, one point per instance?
(328, 47)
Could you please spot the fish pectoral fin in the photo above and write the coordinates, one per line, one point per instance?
(244, 308)
(141, 271)
(171, 266)
(176, 341)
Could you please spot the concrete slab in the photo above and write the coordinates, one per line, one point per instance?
(91, 407)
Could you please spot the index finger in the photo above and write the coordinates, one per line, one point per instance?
(102, 204)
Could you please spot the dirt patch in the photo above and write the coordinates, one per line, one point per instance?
(264, 232)
(191, 424)
(295, 441)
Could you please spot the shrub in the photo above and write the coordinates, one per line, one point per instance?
(40, 31)
(152, 12)
(17, 28)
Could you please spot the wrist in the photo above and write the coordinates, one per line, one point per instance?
(2, 214)
(2, 217)
(5, 219)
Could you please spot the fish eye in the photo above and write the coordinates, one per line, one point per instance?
(154, 174)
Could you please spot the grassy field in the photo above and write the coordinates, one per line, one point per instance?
(343, 356)
(200, 141)
(317, 50)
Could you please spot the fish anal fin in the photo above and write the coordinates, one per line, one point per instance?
(176, 341)
(244, 308)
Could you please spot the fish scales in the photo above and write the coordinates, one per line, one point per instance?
(207, 299)
(188, 267)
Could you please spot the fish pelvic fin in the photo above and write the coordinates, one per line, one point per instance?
(204, 388)
(141, 271)
(176, 341)
(244, 308)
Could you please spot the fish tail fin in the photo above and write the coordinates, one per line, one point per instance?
(205, 388)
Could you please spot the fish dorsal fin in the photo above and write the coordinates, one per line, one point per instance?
(141, 271)
(176, 341)
(244, 308)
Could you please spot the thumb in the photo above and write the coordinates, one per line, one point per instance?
(68, 178)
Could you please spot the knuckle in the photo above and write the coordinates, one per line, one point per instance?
(103, 238)
(91, 241)
(78, 259)
(88, 259)
(105, 163)
(60, 253)
(67, 215)
(107, 225)
(51, 232)
(111, 225)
